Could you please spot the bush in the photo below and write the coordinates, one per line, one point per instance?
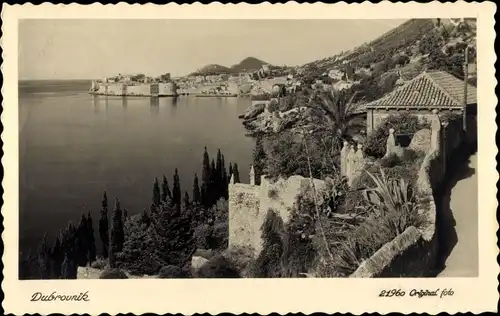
(113, 274)
(268, 263)
(272, 194)
(273, 106)
(100, 263)
(403, 123)
(218, 267)
(282, 146)
(390, 161)
(261, 97)
(241, 258)
(170, 272)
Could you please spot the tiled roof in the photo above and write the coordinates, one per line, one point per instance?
(436, 89)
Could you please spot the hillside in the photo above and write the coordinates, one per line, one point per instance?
(247, 64)
(378, 66)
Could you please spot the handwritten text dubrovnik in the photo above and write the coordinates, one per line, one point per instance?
(54, 297)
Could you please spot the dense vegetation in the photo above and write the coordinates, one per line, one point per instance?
(165, 235)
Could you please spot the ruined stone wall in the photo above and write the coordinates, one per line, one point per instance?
(249, 205)
(245, 218)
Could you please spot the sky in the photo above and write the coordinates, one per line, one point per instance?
(94, 49)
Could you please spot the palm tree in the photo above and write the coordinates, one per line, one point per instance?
(335, 113)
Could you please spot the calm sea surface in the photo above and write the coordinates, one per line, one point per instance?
(73, 146)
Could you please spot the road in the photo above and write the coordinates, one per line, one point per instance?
(459, 237)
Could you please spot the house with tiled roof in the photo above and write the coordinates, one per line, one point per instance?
(428, 91)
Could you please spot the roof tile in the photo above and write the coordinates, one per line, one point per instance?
(436, 89)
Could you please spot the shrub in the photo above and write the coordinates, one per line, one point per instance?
(450, 117)
(272, 194)
(220, 236)
(268, 263)
(282, 146)
(390, 161)
(261, 97)
(100, 263)
(241, 258)
(113, 274)
(218, 267)
(403, 123)
(273, 106)
(202, 235)
(170, 272)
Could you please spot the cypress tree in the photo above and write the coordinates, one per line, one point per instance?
(105, 201)
(104, 228)
(66, 268)
(187, 202)
(68, 245)
(230, 173)
(205, 179)
(212, 187)
(196, 190)
(224, 180)
(156, 193)
(259, 156)
(145, 217)
(91, 239)
(236, 173)
(218, 165)
(81, 243)
(117, 233)
(219, 176)
(176, 191)
(165, 190)
(125, 215)
(57, 256)
(111, 255)
(43, 258)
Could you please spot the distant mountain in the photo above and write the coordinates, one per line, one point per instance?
(213, 69)
(247, 64)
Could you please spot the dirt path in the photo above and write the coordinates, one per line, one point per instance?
(459, 225)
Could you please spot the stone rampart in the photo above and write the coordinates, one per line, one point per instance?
(136, 89)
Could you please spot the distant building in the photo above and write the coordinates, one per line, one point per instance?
(335, 74)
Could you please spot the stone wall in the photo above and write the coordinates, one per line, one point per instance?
(250, 203)
(413, 253)
(245, 217)
(139, 90)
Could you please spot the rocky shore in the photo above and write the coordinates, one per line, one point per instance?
(258, 119)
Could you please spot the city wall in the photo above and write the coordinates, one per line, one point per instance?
(143, 89)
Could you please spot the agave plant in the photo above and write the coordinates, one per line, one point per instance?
(389, 196)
